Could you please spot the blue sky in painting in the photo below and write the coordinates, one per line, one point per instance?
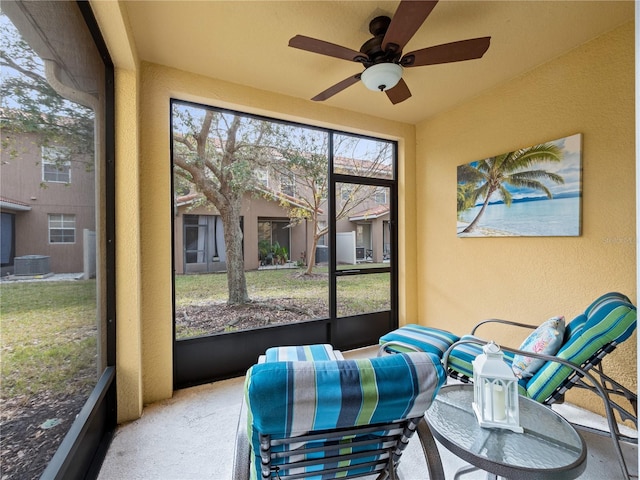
(569, 168)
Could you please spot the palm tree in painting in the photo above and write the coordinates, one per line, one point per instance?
(465, 195)
(493, 174)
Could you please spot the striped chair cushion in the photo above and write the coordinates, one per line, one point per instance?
(425, 339)
(610, 318)
(462, 355)
(301, 353)
(289, 399)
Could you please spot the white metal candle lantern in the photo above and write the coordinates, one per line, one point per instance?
(495, 394)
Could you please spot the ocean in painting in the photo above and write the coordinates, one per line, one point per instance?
(527, 217)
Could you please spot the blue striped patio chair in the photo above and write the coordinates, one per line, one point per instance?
(588, 338)
(324, 419)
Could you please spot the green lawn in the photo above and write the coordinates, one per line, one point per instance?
(262, 284)
(356, 294)
(48, 337)
(48, 329)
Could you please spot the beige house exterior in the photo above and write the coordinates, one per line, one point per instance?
(199, 240)
(47, 204)
(362, 221)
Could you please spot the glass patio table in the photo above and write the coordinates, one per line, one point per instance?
(550, 448)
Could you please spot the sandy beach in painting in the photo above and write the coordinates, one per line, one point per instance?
(482, 232)
(557, 217)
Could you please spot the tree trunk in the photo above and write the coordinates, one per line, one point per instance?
(473, 224)
(236, 280)
(311, 256)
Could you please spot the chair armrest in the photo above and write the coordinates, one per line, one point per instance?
(549, 358)
(395, 343)
(505, 322)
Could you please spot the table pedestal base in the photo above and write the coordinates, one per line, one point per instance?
(470, 468)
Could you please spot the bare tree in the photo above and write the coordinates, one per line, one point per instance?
(218, 152)
(304, 157)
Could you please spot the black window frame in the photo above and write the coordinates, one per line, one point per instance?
(204, 359)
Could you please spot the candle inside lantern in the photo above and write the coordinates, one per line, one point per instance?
(495, 390)
(495, 399)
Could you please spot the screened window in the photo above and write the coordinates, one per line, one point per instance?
(380, 196)
(313, 262)
(288, 184)
(56, 166)
(346, 191)
(62, 228)
(322, 226)
(262, 176)
(270, 231)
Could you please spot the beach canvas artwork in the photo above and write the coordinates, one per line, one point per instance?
(530, 192)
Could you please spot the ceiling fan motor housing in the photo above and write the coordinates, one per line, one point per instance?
(372, 48)
(379, 25)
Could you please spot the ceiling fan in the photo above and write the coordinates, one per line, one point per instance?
(382, 55)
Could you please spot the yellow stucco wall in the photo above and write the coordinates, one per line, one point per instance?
(128, 260)
(463, 280)
(114, 27)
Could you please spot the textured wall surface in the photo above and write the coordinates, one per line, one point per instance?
(590, 90)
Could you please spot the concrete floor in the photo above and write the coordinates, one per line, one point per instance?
(191, 437)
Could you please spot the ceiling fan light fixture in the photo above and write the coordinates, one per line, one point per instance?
(382, 76)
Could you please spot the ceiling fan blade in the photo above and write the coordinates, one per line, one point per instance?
(399, 93)
(324, 48)
(337, 88)
(409, 16)
(447, 52)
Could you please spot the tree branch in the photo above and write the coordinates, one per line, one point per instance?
(6, 61)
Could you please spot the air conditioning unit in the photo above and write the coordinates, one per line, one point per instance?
(31, 265)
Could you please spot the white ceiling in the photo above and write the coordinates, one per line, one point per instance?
(246, 42)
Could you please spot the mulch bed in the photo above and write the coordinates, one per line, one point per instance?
(218, 317)
(32, 429)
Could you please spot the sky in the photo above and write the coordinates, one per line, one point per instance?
(570, 168)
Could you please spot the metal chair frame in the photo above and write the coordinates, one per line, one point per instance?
(386, 466)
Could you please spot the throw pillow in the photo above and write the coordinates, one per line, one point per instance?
(546, 339)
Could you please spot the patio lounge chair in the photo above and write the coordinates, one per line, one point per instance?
(334, 418)
(588, 338)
